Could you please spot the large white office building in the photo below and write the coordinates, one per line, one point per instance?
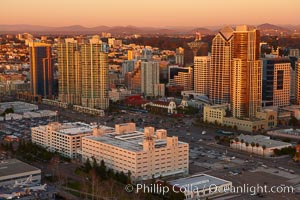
(62, 138)
(144, 154)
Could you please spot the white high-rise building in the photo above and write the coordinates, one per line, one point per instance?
(149, 77)
(201, 74)
(94, 65)
(220, 67)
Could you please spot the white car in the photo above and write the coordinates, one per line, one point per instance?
(203, 132)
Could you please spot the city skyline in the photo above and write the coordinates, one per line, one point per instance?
(157, 14)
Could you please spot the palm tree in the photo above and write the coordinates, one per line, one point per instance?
(264, 148)
(256, 145)
(242, 143)
(231, 142)
(247, 145)
(252, 145)
(236, 141)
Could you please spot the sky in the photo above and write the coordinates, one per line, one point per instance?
(157, 13)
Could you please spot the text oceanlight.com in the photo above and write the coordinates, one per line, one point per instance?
(208, 189)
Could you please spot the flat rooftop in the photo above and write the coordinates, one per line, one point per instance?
(262, 140)
(292, 132)
(131, 141)
(14, 166)
(73, 128)
(199, 182)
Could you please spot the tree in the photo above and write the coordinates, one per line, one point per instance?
(87, 165)
(293, 121)
(236, 141)
(217, 137)
(286, 140)
(264, 148)
(257, 145)
(129, 177)
(252, 145)
(242, 143)
(247, 145)
(235, 127)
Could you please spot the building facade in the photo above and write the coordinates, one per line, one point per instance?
(94, 64)
(149, 77)
(62, 138)
(220, 69)
(41, 69)
(182, 76)
(246, 80)
(201, 74)
(258, 144)
(297, 84)
(276, 82)
(70, 75)
(143, 154)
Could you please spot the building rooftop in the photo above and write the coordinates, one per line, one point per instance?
(199, 182)
(292, 132)
(14, 166)
(262, 140)
(131, 141)
(72, 128)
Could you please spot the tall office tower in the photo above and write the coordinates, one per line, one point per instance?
(276, 82)
(69, 69)
(94, 65)
(149, 77)
(41, 70)
(246, 76)
(201, 74)
(182, 76)
(128, 66)
(146, 54)
(179, 56)
(129, 54)
(220, 66)
(297, 84)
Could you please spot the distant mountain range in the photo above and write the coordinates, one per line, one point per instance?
(78, 29)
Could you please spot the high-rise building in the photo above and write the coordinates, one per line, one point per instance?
(179, 56)
(133, 78)
(149, 77)
(41, 69)
(294, 53)
(94, 64)
(202, 74)
(69, 68)
(182, 76)
(246, 76)
(128, 66)
(220, 67)
(297, 84)
(130, 54)
(276, 82)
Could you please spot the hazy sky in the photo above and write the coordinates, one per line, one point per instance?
(149, 12)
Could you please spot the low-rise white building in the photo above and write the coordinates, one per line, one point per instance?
(18, 106)
(201, 186)
(257, 144)
(15, 170)
(62, 138)
(144, 154)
